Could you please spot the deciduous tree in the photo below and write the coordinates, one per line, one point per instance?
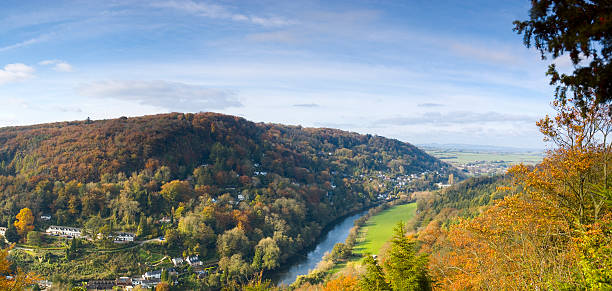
(24, 222)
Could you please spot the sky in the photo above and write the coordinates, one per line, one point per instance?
(418, 71)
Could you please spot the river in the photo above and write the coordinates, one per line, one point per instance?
(302, 266)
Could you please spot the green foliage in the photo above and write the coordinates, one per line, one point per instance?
(267, 254)
(404, 268)
(374, 277)
(462, 199)
(11, 234)
(35, 238)
(165, 277)
(583, 30)
(229, 186)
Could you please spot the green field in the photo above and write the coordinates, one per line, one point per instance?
(463, 157)
(379, 228)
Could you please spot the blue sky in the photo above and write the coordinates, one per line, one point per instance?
(419, 71)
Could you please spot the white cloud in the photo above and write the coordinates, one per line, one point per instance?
(58, 65)
(164, 94)
(221, 12)
(15, 72)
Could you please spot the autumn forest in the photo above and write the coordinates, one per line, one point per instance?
(213, 201)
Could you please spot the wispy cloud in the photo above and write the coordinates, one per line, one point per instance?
(58, 65)
(216, 11)
(164, 94)
(15, 72)
(309, 105)
(25, 43)
(274, 36)
(430, 105)
(457, 117)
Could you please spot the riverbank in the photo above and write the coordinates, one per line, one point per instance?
(343, 253)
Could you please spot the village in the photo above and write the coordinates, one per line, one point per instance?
(148, 280)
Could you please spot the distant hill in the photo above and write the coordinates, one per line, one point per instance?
(478, 148)
(219, 177)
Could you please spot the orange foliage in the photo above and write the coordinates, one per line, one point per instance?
(532, 239)
(342, 283)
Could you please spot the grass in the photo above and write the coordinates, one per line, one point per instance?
(463, 157)
(379, 228)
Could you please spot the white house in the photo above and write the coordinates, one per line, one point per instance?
(65, 231)
(45, 217)
(2, 231)
(123, 237)
(194, 261)
(177, 261)
(152, 275)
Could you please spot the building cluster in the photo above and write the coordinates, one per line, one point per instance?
(75, 232)
(478, 168)
(147, 280)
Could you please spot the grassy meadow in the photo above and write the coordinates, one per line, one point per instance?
(379, 228)
(464, 157)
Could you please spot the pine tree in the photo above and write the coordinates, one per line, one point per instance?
(143, 228)
(374, 278)
(11, 233)
(404, 268)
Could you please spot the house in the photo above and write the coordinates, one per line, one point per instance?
(64, 231)
(44, 284)
(144, 283)
(178, 261)
(2, 231)
(164, 220)
(123, 281)
(194, 261)
(123, 237)
(45, 217)
(152, 275)
(99, 285)
(241, 197)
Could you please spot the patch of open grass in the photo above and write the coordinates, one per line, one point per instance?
(463, 157)
(379, 228)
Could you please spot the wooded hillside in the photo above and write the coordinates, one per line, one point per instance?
(230, 186)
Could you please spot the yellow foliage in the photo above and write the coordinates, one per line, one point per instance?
(24, 222)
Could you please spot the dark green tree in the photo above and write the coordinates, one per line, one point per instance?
(73, 250)
(165, 276)
(11, 233)
(374, 277)
(404, 268)
(143, 227)
(583, 29)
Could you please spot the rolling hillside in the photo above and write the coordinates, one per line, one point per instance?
(222, 180)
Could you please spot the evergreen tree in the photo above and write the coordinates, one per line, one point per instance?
(143, 228)
(404, 268)
(11, 233)
(374, 278)
(165, 276)
(583, 30)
